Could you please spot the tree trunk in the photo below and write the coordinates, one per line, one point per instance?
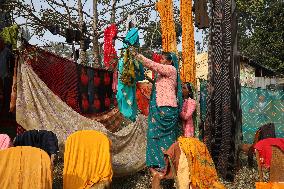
(83, 54)
(112, 19)
(95, 35)
(69, 26)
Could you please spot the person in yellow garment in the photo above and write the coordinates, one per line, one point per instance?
(25, 167)
(87, 160)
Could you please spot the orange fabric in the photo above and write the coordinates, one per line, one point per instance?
(203, 174)
(165, 9)
(269, 185)
(188, 69)
(143, 93)
(25, 167)
(87, 160)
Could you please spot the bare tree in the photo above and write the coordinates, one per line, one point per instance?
(83, 54)
(104, 12)
(95, 34)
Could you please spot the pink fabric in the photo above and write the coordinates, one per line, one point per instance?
(188, 108)
(166, 82)
(114, 81)
(5, 142)
(265, 151)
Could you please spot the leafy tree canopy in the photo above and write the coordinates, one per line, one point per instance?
(261, 32)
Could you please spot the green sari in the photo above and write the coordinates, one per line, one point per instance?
(163, 127)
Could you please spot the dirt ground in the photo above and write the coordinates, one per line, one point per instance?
(245, 178)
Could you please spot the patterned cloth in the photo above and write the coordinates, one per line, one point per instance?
(143, 94)
(203, 174)
(223, 116)
(25, 167)
(161, 134)
(95, 90)
(39, 108)
(247, 75)
(59, 74)
(20, 130)
(165, 9)
(5, 142)
(126, 94)
(188, 69)
(188, 108)
(162, 124)
(110, 56)
(203, 95)
(112, 119)
(259, 107)
(165, 84)
(87, 160)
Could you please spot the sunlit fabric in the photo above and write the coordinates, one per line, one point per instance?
(87, 160)
(25, 167)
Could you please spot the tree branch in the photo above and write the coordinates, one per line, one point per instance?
(119, 7)
(131, 12)
(48, 2)
(72, 8)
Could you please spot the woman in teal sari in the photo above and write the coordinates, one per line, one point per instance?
(165, 107)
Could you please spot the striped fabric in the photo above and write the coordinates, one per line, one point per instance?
(220, 126)
(59, 74)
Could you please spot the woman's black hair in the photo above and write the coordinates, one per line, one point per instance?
(131, 25)
(167, 55)
(190, 90)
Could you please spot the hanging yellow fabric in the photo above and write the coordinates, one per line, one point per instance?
(165, 9)
(188, 69)
(128, 73)
(87, 160)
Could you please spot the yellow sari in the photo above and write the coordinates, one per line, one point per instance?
(87, 160)
(25, 167)
(203, 174)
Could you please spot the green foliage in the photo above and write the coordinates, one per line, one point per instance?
(153, 36)
(261, 32)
